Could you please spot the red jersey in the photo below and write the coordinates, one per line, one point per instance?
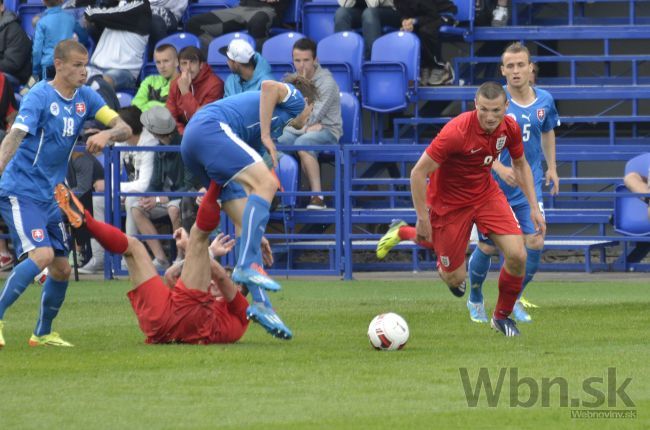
(465, 153)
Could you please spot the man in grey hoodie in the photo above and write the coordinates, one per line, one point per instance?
(325, 125)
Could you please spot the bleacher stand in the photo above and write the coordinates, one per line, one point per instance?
(278, 50)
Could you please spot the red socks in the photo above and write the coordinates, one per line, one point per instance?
(408, 233)
(509, 288)
(207, 219)
(111, 238)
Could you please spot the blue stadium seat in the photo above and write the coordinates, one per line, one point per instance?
(395, 62)
(26, 13)
(180, 40)
(11, 5)
(351, 114)
(342, 54)
(219, 62)
(124, 98)
(287, 171)
(630, 214)
(318, 18)
(278, 52)
(464, 14)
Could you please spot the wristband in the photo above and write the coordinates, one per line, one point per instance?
(157, 200)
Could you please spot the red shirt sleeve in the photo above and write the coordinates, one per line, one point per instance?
(514, 143)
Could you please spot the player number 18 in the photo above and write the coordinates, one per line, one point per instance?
(68, 126)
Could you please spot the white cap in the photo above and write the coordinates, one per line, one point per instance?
(238, 50)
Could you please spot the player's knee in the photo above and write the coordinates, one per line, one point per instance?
(60, 272)
(453, 279)
(135, 247)
(535, 241)
(42, 257)
(516, 259)
(487, 249)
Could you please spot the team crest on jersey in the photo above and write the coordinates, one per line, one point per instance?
(501, 142)
(80, 108)
(38, 235)
(54, 109)
(540, 114)
(444, 260)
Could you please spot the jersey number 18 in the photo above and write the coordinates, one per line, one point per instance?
(68, 126)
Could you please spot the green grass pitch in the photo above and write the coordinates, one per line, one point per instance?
(328, 376)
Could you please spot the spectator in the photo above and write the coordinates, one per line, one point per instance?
(15, 49)
(324, 126)
(248, 68)
(500, 14)
(196, 86)
(423, 17)
(370, 15)
(8, 106)
(154, 90)
(124, 30)
(165, 16)
(169, 174)
(53, 26)
(254, 16)
(85, 175)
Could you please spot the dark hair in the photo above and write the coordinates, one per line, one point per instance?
(304, 85)
(131, 116)
(516, 48)
(491, 90)
(164, 47)
(305, 44)
(65, 47)
(191, 53)
(52, 3)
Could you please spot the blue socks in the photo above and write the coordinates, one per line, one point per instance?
(256, 215)
(257, 293)
(22, 275)
(532, 264)
(478, 268)
(51, 301)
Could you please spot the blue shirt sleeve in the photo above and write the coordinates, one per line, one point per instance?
(294, 103)
(31, 109)
(552, 116)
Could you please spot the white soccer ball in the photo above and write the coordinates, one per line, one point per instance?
(388, 332)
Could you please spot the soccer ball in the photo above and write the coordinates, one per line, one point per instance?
(388, 332)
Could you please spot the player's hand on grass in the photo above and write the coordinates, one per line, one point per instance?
(222, 245)
(423, 230)
(267, 253)
(551, 176)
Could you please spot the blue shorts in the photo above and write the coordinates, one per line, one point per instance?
(522, 212)
(232, 191)
(33, 224)
(212, 150)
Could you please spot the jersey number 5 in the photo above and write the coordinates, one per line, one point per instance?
(525, 133)
(68, 126)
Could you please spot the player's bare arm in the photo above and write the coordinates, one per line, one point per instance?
(271, 94)
(548, 147)
(419, 174)
(525, 176)
(506, 173)
(118, 131)
(9, 146)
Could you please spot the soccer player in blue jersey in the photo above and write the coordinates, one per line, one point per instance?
(223, 142)
(33, 159)
(534, 110)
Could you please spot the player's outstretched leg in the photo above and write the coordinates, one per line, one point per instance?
(390, 239)
(248, 271)
(478, 268)
(509, 288)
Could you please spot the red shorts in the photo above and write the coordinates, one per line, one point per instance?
(186, 315)
(451, 232)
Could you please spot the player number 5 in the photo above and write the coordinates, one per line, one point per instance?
(525, 134)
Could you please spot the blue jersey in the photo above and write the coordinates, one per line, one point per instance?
(52, 124)
(538, 117)
(242, 114)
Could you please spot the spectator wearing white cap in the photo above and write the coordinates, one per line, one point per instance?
(248, 68)
(169, 175)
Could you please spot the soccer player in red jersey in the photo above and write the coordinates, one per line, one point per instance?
(461, 191)
(189, 312)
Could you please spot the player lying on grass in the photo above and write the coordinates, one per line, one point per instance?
(189, 312)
